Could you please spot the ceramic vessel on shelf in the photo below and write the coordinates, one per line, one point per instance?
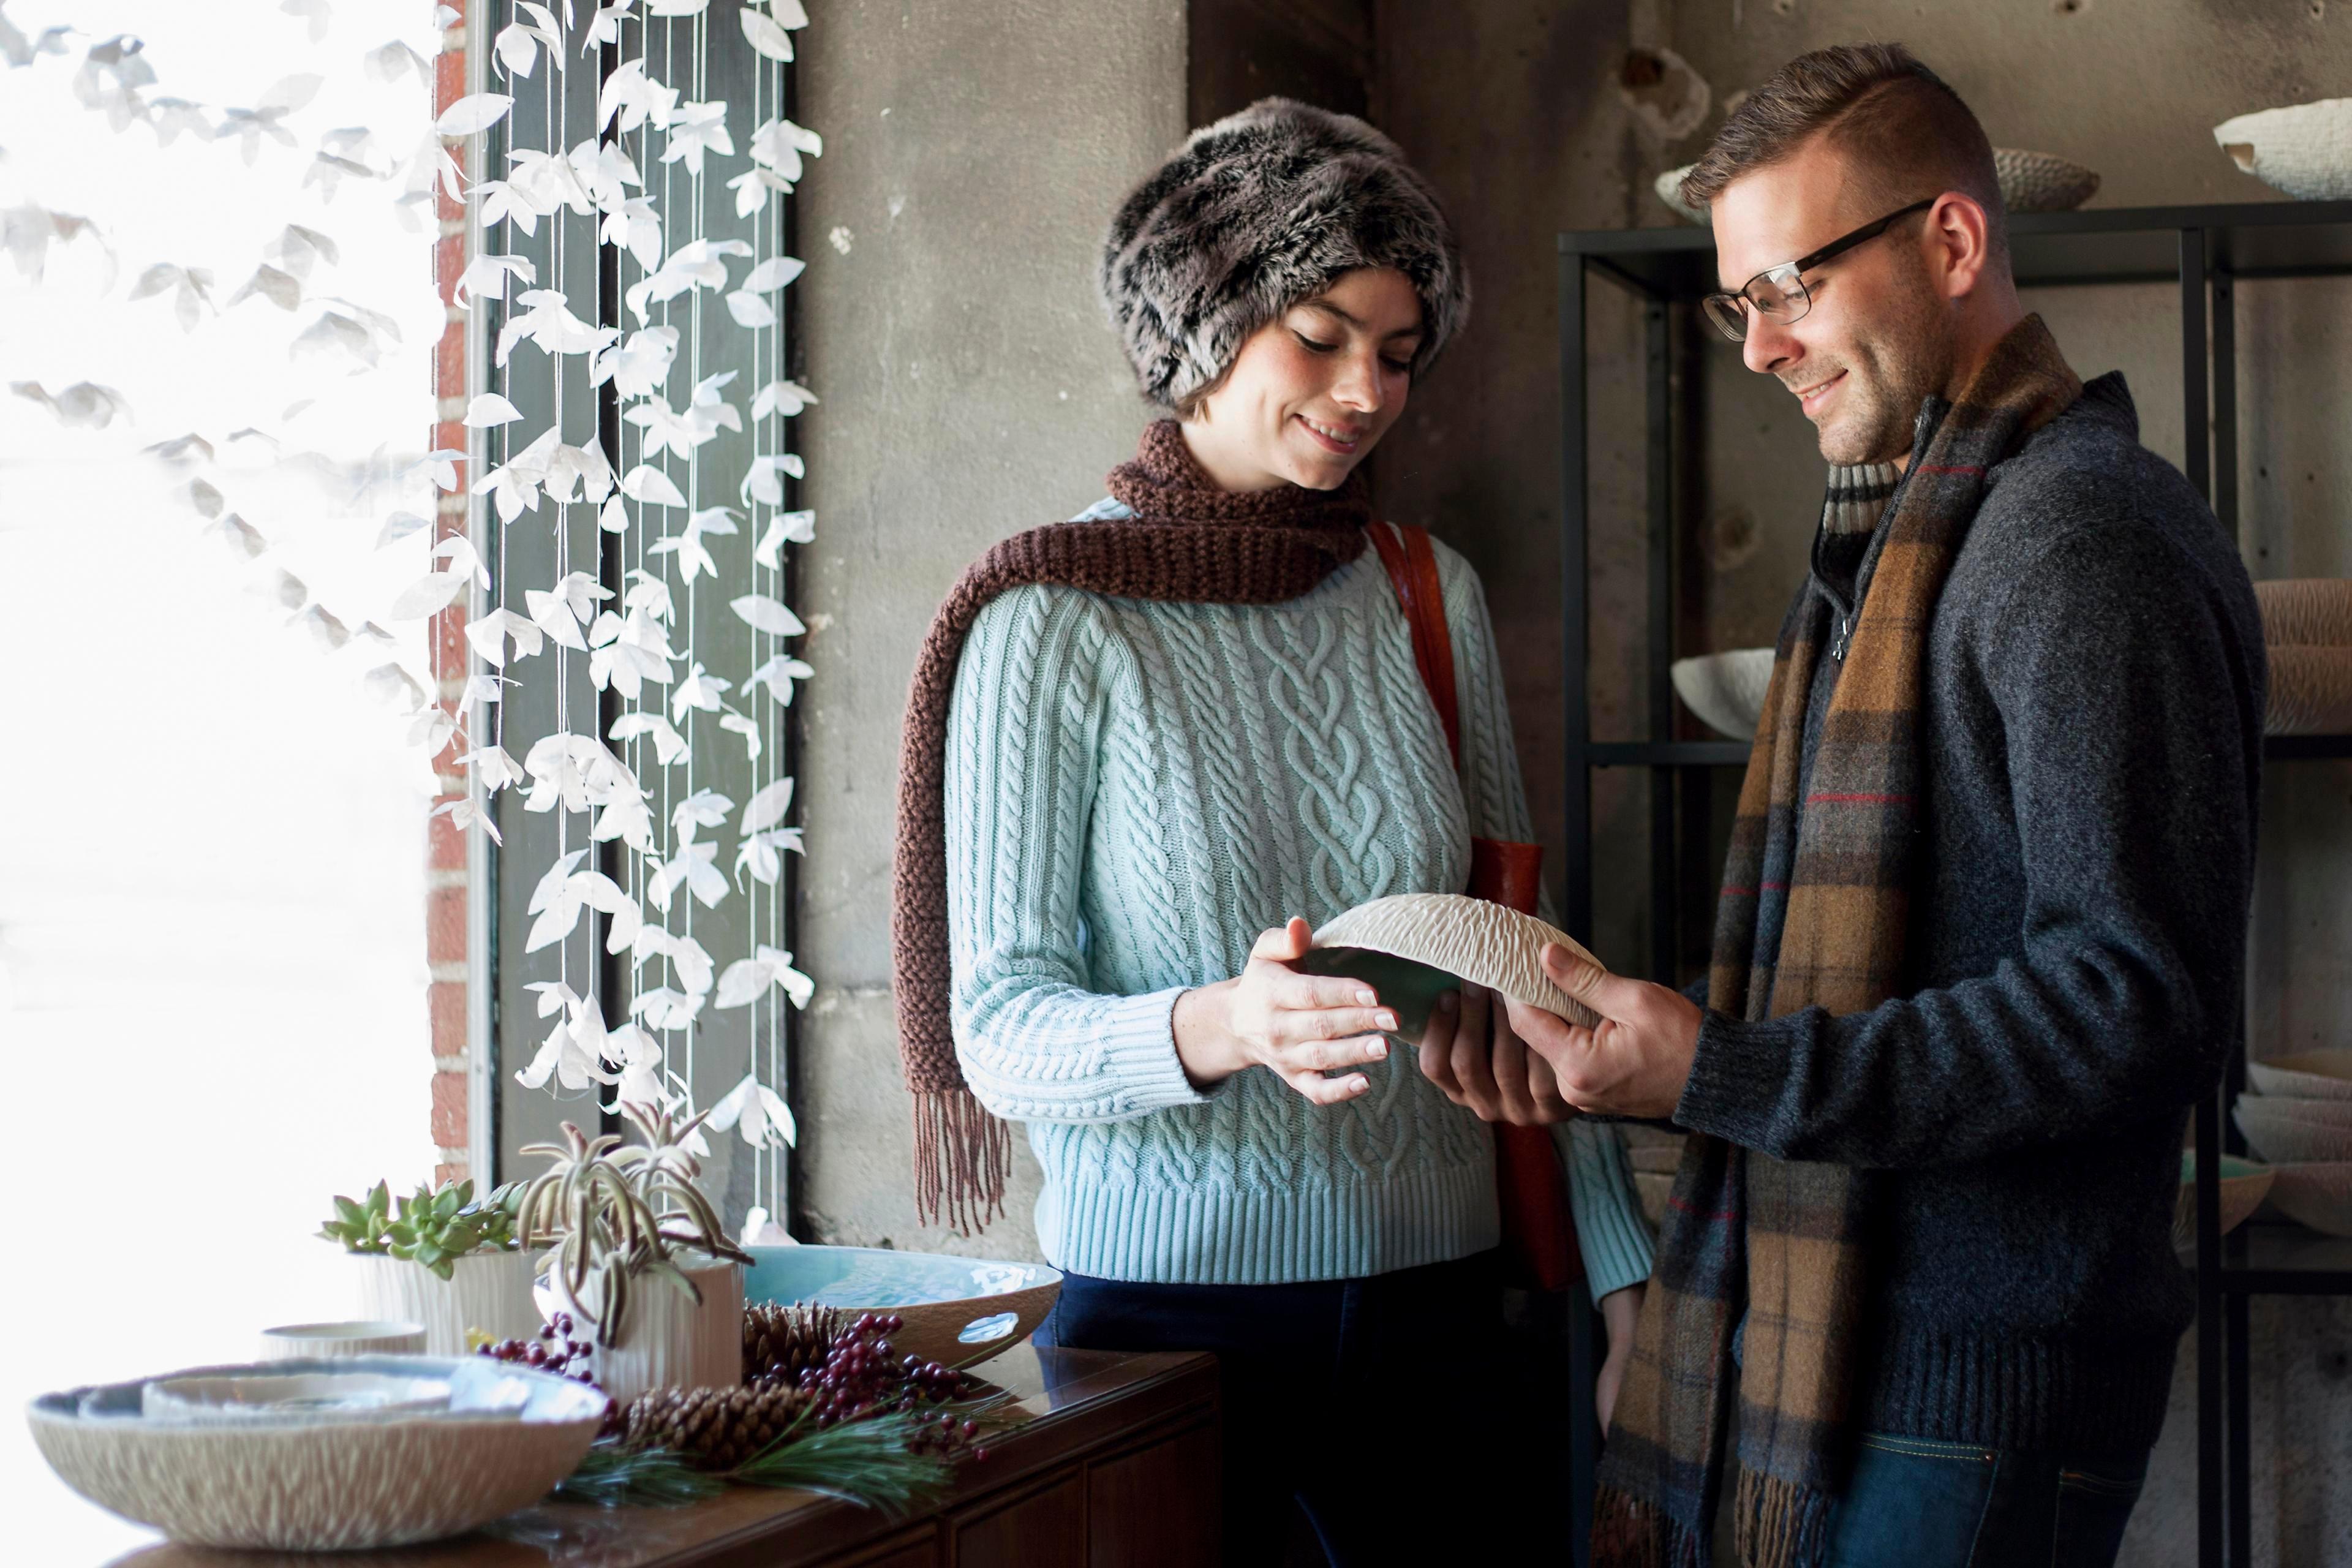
(669, 1340)
(2318, 1194)
(486, 1290)
(314, 1341)
(2310, 691)
(954, 1310)
(2304, 149)
(2305, 611)
(322, 1455)
(1669, 187)
(2041, 181)
(2295, 1131)
(2244, 1184)
(1726, 689)
(2304, 1075)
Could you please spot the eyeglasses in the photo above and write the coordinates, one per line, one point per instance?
(1778, 293)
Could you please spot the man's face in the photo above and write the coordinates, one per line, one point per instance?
(1877, 340)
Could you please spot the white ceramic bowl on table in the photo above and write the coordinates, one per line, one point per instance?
(322, 1455)
(2295, 1131)
(2243, 1185)
(958, 1311)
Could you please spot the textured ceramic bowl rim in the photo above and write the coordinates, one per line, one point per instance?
(554, 1401)
(1039, 1273)
(346, 1328)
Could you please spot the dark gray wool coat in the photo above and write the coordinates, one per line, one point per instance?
(2093, 723)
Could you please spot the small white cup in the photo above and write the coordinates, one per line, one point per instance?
(362, 1338)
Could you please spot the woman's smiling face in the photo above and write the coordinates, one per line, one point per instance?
(1313, 390)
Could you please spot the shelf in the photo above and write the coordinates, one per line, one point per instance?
(2285, 1261)
(2112, 244)
(1671, 755)
(2305, 748)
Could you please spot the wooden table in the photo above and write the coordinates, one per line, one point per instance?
(1114, 1462)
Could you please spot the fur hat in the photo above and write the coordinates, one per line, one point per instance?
(1256, 213)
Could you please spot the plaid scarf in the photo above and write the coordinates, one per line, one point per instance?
(1812, 914)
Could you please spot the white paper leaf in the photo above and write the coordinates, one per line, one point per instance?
(647, 483)
(476, 111)
(773, 274)
(428, 596)
(767, 807)
(751, 311)
(765, 35)
(789, 13)
(766, 615)
(489, 409)
(785, 528)
(397, 527)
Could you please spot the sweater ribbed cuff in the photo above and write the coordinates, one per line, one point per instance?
(1610, 1232)
(1737, 1078)
(1137, 1041)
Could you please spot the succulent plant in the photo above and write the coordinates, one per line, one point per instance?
(612, 1212)
(434, 1229)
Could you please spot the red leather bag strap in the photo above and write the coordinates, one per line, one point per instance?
(1413, 570)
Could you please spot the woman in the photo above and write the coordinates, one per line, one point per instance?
(1168, 738)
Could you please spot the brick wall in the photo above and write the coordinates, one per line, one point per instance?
(446, 889)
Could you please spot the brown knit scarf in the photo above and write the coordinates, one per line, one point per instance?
(1189, 542)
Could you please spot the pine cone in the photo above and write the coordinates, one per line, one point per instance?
(710, 1428)
(783, 1343)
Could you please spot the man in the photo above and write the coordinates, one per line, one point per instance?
(1979, 946)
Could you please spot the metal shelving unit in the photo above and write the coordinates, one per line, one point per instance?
(2203, 250)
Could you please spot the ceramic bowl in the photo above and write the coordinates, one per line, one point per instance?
(1415, 946)
(2304, 1075)
(2305, 611)
(324, 1454)
(958, 1311)
(2243, 1185)
(1669, 187)
(2304, 149)
(2310, 691)
(2317, 1194)
(368, 1337)
(1726, 690)
(2041, 181)
(2295, 1131)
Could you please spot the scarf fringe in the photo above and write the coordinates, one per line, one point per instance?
(1628, 1532)
(1778, 1523)
(962, 1154)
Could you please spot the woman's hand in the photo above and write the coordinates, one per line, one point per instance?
(1473, 1055)
(1620, 1311)
(1270, 1015)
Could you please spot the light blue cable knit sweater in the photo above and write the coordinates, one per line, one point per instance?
(1135, 791)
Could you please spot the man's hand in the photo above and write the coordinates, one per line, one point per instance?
(1473, 1055)
(1637, 1062)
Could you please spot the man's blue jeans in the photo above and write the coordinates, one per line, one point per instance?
(1917, 1504)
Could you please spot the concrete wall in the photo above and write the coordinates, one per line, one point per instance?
(972, 389)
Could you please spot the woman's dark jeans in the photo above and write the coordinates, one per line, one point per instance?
(1375, 1404)
(1917, 1504)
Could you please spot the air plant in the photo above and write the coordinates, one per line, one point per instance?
(614, 1212)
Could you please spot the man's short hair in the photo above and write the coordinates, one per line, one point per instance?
(1905, 131)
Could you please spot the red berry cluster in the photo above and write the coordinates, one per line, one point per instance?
(554, 1351)
(864, 1375)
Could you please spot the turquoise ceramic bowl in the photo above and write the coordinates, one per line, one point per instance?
(956, 1311)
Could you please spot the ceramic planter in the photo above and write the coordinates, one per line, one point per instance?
(485, 1290)
(2305, 150)
(667, 1340)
